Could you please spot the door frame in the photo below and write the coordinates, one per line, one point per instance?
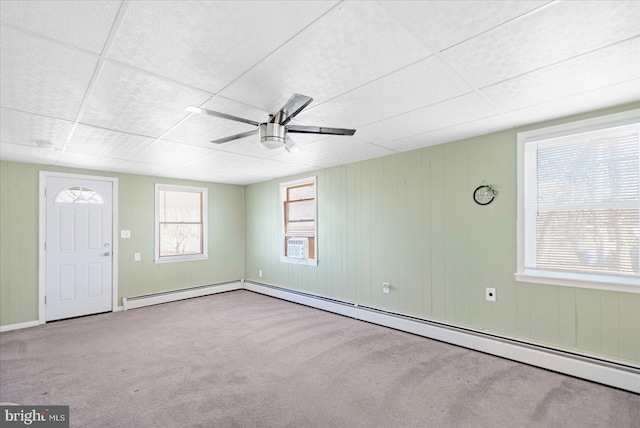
(42, 235)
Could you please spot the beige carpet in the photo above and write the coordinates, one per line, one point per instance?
(241, 359)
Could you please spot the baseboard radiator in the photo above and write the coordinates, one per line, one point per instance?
(587, 367)
(172, 296)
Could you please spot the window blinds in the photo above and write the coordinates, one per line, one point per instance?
(582, 202)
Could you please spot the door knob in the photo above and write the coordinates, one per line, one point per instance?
(107, 253)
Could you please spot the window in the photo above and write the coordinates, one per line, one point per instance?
(298, 213)
(181, 223)
(78, 195)
(579, 203)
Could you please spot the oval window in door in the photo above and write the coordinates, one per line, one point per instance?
(78, 195)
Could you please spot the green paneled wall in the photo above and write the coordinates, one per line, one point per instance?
(409, 219)
(19, 239)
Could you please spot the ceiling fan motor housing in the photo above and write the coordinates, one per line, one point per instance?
(272, 135)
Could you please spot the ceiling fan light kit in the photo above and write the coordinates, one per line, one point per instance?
(274, 133)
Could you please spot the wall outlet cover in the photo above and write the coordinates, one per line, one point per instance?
(490, 294)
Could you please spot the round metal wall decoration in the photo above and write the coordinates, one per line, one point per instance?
(484, 194)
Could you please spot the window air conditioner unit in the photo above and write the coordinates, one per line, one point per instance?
(297, 248)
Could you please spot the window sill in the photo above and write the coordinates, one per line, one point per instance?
(597, 282)
(304, 262)
(181, 259)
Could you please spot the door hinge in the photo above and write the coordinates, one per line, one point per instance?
(45, 300)
(45, 246)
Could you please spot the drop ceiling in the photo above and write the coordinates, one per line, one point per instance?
(107, 82)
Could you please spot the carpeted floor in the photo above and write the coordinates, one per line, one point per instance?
(241, 359)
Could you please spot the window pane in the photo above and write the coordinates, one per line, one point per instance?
(78, 195)
(178, 239)
(178, 206)
(300, 210)
(306, 227)
(307, 191)
(601, 169)
(598, 241)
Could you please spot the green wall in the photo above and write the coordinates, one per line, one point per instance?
(409, 219)
(19, 238)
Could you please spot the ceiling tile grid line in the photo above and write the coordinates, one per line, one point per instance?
(510, 20)
(635, 39)
(96, 74)
(257, 63)
(442, 58)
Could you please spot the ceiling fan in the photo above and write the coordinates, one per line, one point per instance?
(274, 132)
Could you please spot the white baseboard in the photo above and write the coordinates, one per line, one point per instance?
(172, 296)
(18, 326)
(585, 367)
(346, 309)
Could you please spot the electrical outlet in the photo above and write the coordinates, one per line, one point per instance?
(260, 273)
(490, 294)
(136, 257)
(386, 287)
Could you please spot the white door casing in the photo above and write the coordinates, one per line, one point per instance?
(78, 263)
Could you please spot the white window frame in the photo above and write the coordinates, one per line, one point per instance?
(283, 237)
(582, 280)
(185, 257)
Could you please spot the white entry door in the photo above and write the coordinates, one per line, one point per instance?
(78, 247)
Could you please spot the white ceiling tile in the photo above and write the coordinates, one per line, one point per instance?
(549, 35)
(453, 133)
(272, 168)
(369, 152)
(208, 44)
(214, 176)
(103, 142)
(170, 154)
(456, 111)
(335, 144)
(28, 154)
(220, 161)
(80, 23)
(611, 96)
(125, 99)
(25, 128)
(418, 85)
(353, 44)
(446, 23)
(39, 76)
(86, 160)
(140, 168)
(601, 68)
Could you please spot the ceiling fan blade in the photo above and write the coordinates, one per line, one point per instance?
(235, 137)
(291, 108)
(291, 145)
(304, 129)
(221, 115)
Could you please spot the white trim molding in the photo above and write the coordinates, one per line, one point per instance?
(528, 207)
(175, 295)
(610, 373)
(19, 326)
